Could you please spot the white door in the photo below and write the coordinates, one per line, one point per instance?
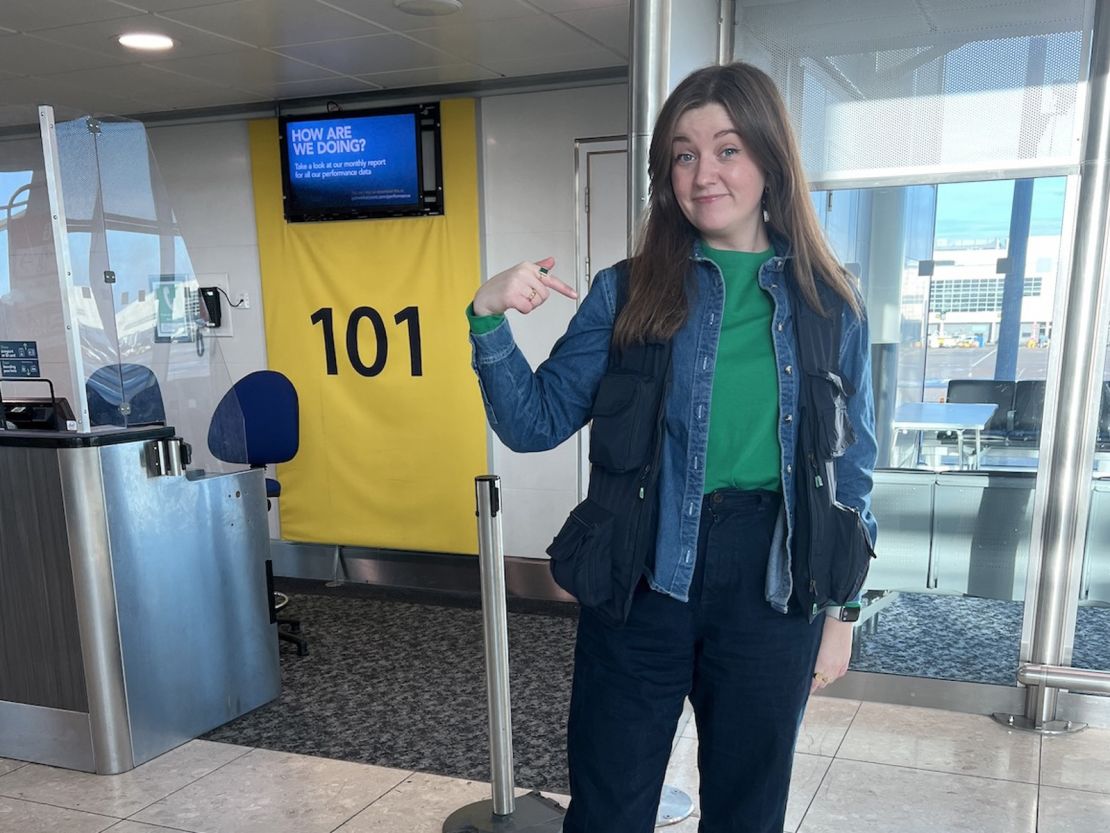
(601, 167)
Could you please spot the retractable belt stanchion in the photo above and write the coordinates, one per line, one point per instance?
(503, 813)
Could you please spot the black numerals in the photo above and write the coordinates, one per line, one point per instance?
(409, 315)
(381, 351)
(323, 316)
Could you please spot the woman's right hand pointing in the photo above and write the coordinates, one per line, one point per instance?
(522, 287)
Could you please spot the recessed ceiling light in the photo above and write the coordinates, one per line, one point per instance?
(147, 41)
(428, 8)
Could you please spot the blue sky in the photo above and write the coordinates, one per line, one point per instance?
(982, 209)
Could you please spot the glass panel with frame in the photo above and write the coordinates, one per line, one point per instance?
(169, 370)
(959, 282)
(1091, 643)
(34, 360)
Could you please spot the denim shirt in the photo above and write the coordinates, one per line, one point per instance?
(537, 411)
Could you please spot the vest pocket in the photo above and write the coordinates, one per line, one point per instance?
(833, 429)
(849, 563)
(581, 554)
(621, 433)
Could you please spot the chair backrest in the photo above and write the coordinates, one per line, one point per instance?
(985, 390)
(110, 387)
(1029, 405)
(257, 421)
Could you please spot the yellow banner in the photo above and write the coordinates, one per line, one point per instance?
(366, 319)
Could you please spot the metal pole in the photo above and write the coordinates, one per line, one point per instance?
(649, 51)
(53, 171)
(504, 813)
(491, 559)
(1066, 480)
(726, 31)
(1073, 679)
(649, 68)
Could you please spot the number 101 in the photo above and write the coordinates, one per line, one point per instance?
(409, 315)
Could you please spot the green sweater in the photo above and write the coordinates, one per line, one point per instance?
(744, 451)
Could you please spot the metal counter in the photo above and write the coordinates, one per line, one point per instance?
(134, 613)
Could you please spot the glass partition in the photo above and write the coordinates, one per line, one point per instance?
(34, 350)
(959, 281)
(1091, 642)
(140, 349)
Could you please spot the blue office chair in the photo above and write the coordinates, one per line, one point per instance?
(124, 394)
(258, 422)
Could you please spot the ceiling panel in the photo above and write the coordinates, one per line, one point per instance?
(451, 74)
(166, 5)
(337, 85)
(253, 69)
(276, 22)
(29, 15)
(507, 40)
(62, 93)
(30, 55)
(547, 63)
(152, 87)
(556, 6)
(608, 25)
(385, 14)
(244, 51)
(101, 37)
(362, 56)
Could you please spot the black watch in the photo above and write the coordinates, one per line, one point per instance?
(849, 613)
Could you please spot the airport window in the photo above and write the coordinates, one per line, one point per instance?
(954, 318)
(14, 189)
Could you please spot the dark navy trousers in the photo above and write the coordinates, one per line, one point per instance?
(745, 667)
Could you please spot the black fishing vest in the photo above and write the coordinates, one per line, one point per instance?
(831, 549)
(602, 550)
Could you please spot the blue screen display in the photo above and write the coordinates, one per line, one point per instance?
(359, 162)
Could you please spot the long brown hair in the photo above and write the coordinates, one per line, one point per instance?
(656, 307)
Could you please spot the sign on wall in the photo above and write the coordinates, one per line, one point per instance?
(366, 319)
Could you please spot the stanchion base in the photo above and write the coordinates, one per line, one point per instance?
(674, 806)
(532, 813)
(1051, 727)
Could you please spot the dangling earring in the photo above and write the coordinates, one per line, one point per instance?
(766, 214)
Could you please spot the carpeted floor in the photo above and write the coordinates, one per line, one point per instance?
(402, 684)
(967, 638)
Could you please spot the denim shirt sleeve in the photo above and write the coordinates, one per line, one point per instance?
(537, 411)
(855, 468)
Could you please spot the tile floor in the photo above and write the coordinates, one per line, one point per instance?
(868, 768)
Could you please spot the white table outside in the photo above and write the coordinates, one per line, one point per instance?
(947, 416)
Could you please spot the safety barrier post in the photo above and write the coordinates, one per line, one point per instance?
(503, 813)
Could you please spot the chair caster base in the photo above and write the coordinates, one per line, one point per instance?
(299, 641)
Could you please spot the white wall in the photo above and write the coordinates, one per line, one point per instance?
(528, 193)
(694, 34)
(206, 169)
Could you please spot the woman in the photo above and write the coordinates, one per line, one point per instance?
(731, 243)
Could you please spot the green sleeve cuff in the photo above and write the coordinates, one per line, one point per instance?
(482, 323)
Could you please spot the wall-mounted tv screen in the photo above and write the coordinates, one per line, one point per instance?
(370, 163)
